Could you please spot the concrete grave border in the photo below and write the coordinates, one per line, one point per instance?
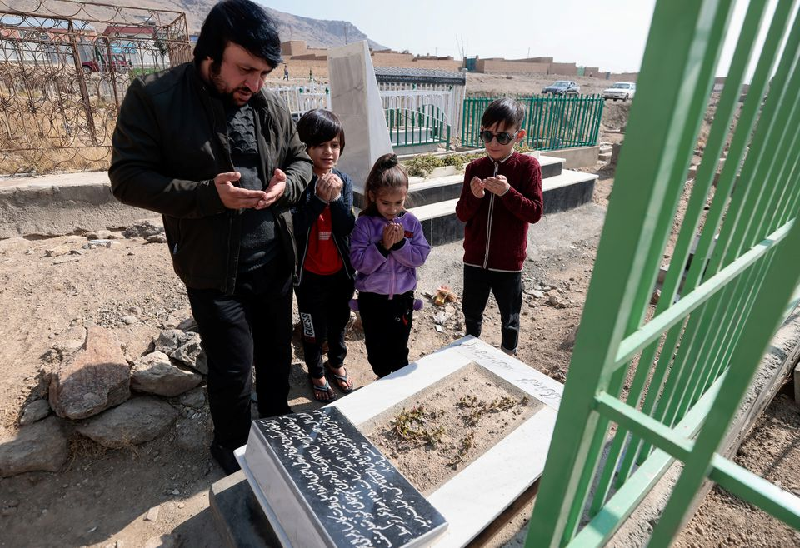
(491, 475)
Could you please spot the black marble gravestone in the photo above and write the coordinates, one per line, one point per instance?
(351, 494)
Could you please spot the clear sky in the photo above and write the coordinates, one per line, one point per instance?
(607, 34)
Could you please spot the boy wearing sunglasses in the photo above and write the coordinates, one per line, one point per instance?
(502, 194)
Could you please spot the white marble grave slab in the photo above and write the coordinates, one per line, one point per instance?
(501, 474)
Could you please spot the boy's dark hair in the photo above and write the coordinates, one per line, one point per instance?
(505, 112)
(386, 174)
(244, 23)
(320, 126)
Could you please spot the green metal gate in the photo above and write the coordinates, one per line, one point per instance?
(550, 122)
(649, 385)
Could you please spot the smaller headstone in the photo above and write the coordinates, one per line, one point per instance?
(58, 251)
(34, 412)
(71, 340)
(135, 421)
(41, 446)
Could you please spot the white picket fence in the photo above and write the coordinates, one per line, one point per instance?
(394, 97)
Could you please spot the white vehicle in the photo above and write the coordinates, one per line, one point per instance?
(620, 90)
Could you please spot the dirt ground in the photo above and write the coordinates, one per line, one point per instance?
(102, 497)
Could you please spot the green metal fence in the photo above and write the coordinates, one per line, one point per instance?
(550, 122)
(426, 125)
(650, 385)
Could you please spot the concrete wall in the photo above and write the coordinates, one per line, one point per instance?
(624, 76)
(390, 59)
(294, 47)
(567, 69)
(316, 59)
(54, 205)
(490, 66)
(441, 64)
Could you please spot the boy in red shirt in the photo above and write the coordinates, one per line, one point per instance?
(323, 221)
(502, 194)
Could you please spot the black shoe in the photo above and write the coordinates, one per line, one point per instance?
(225, 459)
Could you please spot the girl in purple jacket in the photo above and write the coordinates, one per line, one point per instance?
(387, 246)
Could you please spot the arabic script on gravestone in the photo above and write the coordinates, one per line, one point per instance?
(353, 490)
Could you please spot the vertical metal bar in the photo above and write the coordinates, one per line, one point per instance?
(724, 114)
(782, 278)
(656, 135)
(716, 139)
(747, 120)
(737, 219)
(87, 105)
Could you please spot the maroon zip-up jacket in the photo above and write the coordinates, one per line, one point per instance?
(496, 235)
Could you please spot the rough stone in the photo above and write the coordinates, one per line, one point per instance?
(189, 324)
(142, 229)
(194, 398)
(152, 514)
(190, 352)
(135, 421)
(102, 235)
(168, 340)
(71, 340)
(94, 379)
(155, 374)
(34, 412)
(163, 541)
(42, 446)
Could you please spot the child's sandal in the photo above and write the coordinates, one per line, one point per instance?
(342, 381)
(322, 393)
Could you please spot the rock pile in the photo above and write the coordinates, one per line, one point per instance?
(94, 392)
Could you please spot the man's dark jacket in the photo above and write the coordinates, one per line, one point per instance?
(169, 144)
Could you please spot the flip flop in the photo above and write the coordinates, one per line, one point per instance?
(322, 393)
(342, 381)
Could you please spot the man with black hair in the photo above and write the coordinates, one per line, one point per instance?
(218, 156)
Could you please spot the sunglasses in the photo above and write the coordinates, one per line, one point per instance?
(503, 138)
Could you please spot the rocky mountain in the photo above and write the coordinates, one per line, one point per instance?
(316, 32)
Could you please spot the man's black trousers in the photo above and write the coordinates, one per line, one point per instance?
(251, 327)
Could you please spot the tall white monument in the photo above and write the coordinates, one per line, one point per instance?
(355, 99)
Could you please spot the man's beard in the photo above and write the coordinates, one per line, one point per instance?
(219, 87)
